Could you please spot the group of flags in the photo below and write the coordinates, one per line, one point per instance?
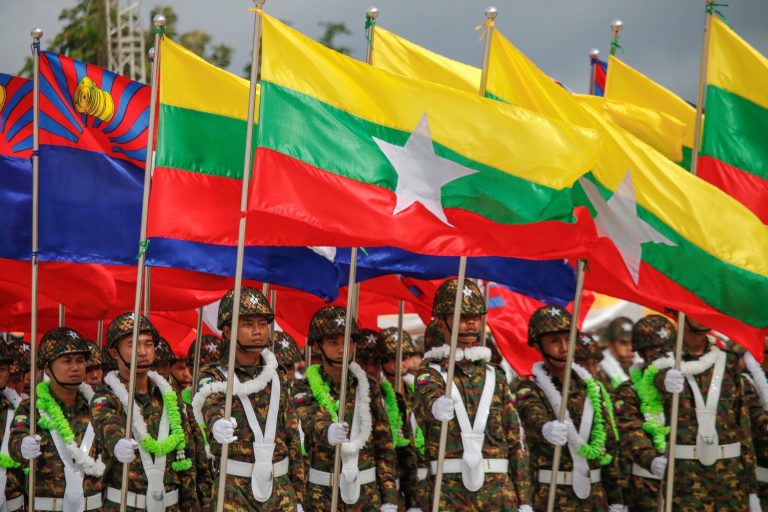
(403, 158)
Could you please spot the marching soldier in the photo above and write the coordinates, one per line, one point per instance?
(289, 357)
(163, 359)
(368, 462)
(11, 476)
(94, 375)
(588, 354)
(162, 477)
(618, 356)
(68, 476)
(757, 385)
(368, 348)
(588, 478)
(20, 377)
(264, 470)
(715, 466)
(486, 462)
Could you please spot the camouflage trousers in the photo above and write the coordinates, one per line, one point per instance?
(317, 498)
(721, 487)
(497, 493)
(567, 501)
(238, 496)
(642, 494)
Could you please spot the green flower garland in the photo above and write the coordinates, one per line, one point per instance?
(651, 405)
(393, 414)
(7, 462)
(55, 420)
(609, 405)
(322, 392)
(186, 396)
(595, 448)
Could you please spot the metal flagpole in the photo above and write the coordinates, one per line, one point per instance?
(100, 333)
(198, 343)
(273, 303)
(616, 27)
(484, 322)
(159, 22)
(700, 98)
(240, 245)
(37, 33)
(62, 316)
(582, 264)
(399, 350)
(351, 299)
(594, 57)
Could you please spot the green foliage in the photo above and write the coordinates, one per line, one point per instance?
(332, 30)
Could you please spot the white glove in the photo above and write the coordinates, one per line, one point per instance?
(659, 466)
(417, 509)
(442, 408)
(525, 508)
(299, 508)
(388, 507)
(224, 430)
(555, 432)
(30, 447)
(125, 450)
(673, 381)
(616, 508)
(338, 433)
(754, 503)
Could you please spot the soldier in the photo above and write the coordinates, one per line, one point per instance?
(210, 351)
(11, 476)
(388, 355)
(94, 375)
(588, 477)
(163, 476)
(412, 356)
(368, 348)
(618, 356)
(588, 353)
(288, 356)
(433, 343)
(368, 462)
(264, 469)
(163, 359)
(715, 466)
(20, 367)
(486, 461)
(639, 415)
(68, 475)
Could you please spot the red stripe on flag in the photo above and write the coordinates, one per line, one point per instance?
(747, 188)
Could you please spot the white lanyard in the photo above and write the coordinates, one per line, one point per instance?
(707, 441)
(74, 498)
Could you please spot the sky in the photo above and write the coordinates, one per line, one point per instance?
(661, 38)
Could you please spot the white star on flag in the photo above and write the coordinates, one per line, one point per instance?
(421, 174)
(617, 219)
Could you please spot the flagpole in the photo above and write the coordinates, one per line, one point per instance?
(675, 407)
(62, 316)
(484, 321)
(198, 343)
(37, 33)
(159, 22)
(594, 57)
(147, 280)
(273, 303)
(100, 333)
(240, 245)
(399, 349)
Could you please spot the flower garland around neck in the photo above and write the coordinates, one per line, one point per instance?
(322, 392)
(12, 396)
(469, 354)
(594, 449)
(176, 439)
(393, 414)
(758, 377)
(52, 419)
(651, 406)
(609, 406)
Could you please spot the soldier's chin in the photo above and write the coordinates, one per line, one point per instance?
(252, 346)
(468, 337)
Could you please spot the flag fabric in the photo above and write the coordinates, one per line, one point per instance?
(599, 75)
(734, 152)
(423, 167)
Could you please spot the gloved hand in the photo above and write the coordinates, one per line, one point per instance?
(754, 503)
(299, 508)
(417, 509)
(616, 508)
(674, 381)
(388, 507)
(30, 447)
(555, 432)
(338, 433)
(224, 430)
(525, 508)
(443, 409)
(659, 466)
(125, 450)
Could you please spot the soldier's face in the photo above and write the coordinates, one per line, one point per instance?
(413, 362)
(371, 366)
(5, 374)
(390, 365)
(181, 373)
(469, 329)
(622, 350)
(94, 375)
(589, 364)
(145, 353)
(333, 348)
(554, 345)
(252, 331)
(67, 369)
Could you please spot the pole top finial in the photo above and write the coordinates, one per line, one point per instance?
(491, 12)
(259, 3)
(37, 33)
(616, 26)
(373, 12)
(158, 20)
(594, 53)
(151, 53)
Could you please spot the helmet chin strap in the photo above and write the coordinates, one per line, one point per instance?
(251, 347)
(549, 357)
(696, 330)
(62, 384)
(128, 363)
(462, 336)
(332, 362)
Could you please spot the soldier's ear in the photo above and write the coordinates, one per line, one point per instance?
(226, 330)
(113, 353)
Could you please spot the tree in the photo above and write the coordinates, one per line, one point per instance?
(333, 29)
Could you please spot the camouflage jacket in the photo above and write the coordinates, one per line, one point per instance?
(14, 485)
(49, 468)
(503, 433)
(203, 465)
(636, 445)
(758, 417)
(378, 452)
(287, 440)
(109, 422)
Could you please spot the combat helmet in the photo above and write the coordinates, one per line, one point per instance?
(61, 341)
(472, 302)
(252, 302)
(548, 320)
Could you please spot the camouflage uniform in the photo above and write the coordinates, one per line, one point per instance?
(503, 434)
(377, 452)
(619, 329)
(109, 420)
(726, 484)
(96, 358)
(49, 468)
(14, 476)
(21, 365)
(535, 410)
(287, 489)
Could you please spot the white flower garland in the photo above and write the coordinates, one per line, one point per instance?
(758, 378)
(612, 367)
(12, 396)
(696, 367)
(356, 443)
(249, 387)
(469, 354)
(82, 460)
(409, 379)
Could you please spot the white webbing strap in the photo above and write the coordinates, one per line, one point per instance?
(707, 441)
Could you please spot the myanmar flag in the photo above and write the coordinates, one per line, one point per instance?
(734, 153)
(349, 155)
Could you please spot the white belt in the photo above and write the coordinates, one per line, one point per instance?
(317, 477)
(91, 503)
(245, 469)
(639, 470)
(139, 500)
(688, 451)
(565, 477)
(454, 466)
(17, 503)
(422, 473)
(762, 475)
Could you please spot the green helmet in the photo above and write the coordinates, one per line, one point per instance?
(252, 302)
(653, 331)
(619, 329)
(548, 320)
(472, 302)
(369, 345)
(433, 336)
(163, 352)
(390, 343)
(96, 358)
(418, 345)
(7, 355)
(21, 356)
(587, 348)
(286, 350)
(61, 341)
(122, 326)
(329, 321)
(210, 351)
